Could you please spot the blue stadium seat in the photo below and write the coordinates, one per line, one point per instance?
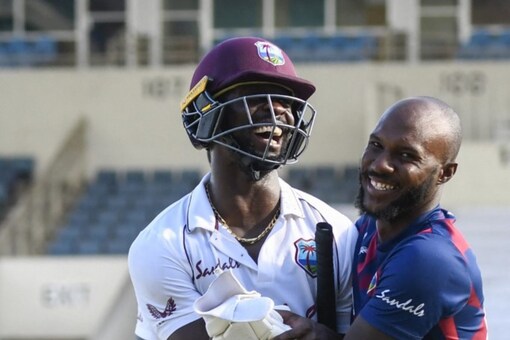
(118, 246)
(285, 42)
(136, 217)
(305, 48)
(191, 177)
(480, 38)
(19, 52)
(359, 48)
(501, 46)
(80, 217)
(98, 232)
(161, 188)
(163, 176)
(135, 176)
(127, 231)
(119, 203)
(7, 178)
(23, 166)
(45, 50)
(4, 195)
(107, 217)
(504, 38)
(131, 189)
(98, 190)
(331, 48)
(476, 47)
(496, 51)
(94, 199)
(69, 233)
(5, 59)
(150, 205)
(88, 247)
(62, 248)
(325, 172)
(470, 52)
(300, 178)
(106, 177)
(311, 41)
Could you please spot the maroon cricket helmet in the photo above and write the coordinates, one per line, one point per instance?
(249, 59)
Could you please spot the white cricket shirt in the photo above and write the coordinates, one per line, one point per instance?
(172, 261)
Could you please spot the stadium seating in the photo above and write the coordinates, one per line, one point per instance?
(486, 45)
(332, 184)
(335, 48)
(18, 51)
(116, 206)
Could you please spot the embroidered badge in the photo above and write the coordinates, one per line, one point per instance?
(169, 309)
(270, 53)
(306, 256)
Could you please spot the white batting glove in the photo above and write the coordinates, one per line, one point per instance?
(231, 312)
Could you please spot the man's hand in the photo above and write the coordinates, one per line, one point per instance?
(304, 328)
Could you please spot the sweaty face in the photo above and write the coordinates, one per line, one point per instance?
(399, 167)
(260, 123)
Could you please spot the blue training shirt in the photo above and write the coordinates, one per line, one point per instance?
(423, 284)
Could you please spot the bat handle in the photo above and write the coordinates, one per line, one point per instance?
(326, 297)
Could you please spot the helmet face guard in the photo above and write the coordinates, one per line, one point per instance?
(203, 120)
(245, 61)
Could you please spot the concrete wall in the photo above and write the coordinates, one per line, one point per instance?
(135, 121)
(481, 179)
(66, 298)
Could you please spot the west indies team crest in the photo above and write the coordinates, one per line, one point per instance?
(306, 256)
(270, 53)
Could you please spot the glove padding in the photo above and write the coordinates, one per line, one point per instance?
(231, 312)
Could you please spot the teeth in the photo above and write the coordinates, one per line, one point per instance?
(381, 186)
(267, 129)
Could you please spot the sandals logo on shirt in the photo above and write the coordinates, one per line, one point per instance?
(169, 309)
(306, 256)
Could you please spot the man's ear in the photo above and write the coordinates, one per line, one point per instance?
(447, 173)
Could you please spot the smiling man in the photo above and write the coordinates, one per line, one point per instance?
(415, 276)
(243, 236)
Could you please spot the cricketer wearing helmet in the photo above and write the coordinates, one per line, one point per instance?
(219, 262)
(225, 69)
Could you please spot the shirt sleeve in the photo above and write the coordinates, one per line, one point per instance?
(163, 285)
(420, 282)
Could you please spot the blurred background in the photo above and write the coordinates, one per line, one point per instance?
(92, 145)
